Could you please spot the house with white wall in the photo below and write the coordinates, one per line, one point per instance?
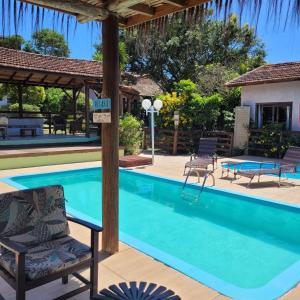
(272, 92)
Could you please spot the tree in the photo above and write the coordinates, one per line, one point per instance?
(186, 52)
(54, 100)
(194, 110)
(48, 42)
(13, 42)
(123, 55)
(33, 96)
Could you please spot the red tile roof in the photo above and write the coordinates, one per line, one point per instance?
(270, 73)
(45, 63)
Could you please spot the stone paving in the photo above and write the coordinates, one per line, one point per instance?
(131, 265)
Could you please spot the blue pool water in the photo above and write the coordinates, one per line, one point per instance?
(244, 247)
(251, 165)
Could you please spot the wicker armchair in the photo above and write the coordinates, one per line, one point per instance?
(59, 123)
(35, 245)
(76, 125)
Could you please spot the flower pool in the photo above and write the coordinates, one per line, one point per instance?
(252, 165)
(243, 247)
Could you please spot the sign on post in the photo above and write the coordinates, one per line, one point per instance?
(102, 117)
(103, 103)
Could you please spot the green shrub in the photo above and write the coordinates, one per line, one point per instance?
(228, 120)
(195, 111)
(274, 142)
(26, 107)
(131, 134)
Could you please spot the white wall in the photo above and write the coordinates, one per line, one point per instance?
(273, 92)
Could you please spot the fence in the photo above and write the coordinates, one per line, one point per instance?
(259, 148)
(46, 115)
(187, 141)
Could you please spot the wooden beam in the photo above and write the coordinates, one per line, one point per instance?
(43, 79)
(87, 110)
(110, 137)
(28, 77)
(78, 93)
(47, 84)
(143, 9)
(66, 93)
(12, 76)
(20, 100)
(161, 11)
(178, 3)
(120, 5)
(75, 7)
(57, 80)
(70, 81)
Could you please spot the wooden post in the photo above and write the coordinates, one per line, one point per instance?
(175, 140)
(50, 122)
(87, 110)
(110, 137)
(20, 100)
(74, 100)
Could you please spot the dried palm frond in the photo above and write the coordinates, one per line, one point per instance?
(13, 13)
(15, 10)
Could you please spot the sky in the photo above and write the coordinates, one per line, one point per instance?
(282, 44)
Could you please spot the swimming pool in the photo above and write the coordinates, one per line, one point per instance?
(252, 165)
(243, 247)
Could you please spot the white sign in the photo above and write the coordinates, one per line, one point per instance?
(103, 117)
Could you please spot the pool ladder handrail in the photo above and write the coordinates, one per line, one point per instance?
(207, 173)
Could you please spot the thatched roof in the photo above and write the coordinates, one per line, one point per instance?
(137, 12)
(270, 73)
(130, 12)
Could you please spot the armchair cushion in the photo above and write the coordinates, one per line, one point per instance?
(33, 216)
(48, 258)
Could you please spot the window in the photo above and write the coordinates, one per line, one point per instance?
(280, 113)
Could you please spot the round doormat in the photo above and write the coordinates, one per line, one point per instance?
(137, 291)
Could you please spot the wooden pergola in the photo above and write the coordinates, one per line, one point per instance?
(29, 69)
(113, 13)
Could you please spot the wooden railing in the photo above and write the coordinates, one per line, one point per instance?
(47, 116)
(187, 141)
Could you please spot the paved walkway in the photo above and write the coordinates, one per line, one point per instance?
(130, 264)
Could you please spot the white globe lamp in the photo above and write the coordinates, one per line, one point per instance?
(158, 104)
(146, 104)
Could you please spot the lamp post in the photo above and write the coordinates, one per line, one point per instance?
(152, 109)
